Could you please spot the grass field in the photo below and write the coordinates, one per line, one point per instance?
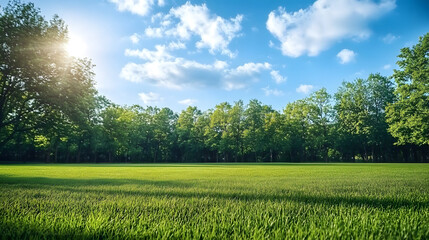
(258, 201)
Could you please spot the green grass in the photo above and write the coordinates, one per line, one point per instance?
(256, 201)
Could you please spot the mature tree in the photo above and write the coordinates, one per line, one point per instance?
(321, 117)
(380, 95)
(274, 134)
(143, 134)
(218, 138)
(189, 141)
(361, 117)
(296, 130)
(408, 117)
(254, 135)
(353, 117)
(117, 126)
(164, 121)
(201, 130)
(36, 75)
(235, 130)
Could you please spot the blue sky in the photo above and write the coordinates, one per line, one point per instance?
(172, 53)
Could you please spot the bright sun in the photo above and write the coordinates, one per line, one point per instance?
(76, 47)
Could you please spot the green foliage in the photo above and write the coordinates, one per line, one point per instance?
(253, 134)
(42, 89)
(189, 136)
(41, 141)
(217, 131)
(408, 117)
(222, 201)
(321, 117)
(360, 107)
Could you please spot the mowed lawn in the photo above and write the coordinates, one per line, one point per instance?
(215, 201)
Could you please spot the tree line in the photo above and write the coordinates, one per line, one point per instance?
(50, 111)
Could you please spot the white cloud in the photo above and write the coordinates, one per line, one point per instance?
(215, 32)
(176, 45)
(174, 73)
(275, 92)
(387, 66)
(156, 17)
(314, 29)
(303, 88)
(240, 77)
(153, 32)
(139, 7)
(346, 56)
(250, 68)
(389, 38)
(163, 69)
(188, 101)
(135, 38)
(275, 75)
(150, 98)
(161, 3)
(161, 52)
(220, 64)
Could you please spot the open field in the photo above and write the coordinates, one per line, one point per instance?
(292, 201)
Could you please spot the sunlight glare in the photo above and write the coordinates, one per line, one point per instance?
(76, 47)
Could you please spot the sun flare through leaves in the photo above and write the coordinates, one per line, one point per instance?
(76, 46)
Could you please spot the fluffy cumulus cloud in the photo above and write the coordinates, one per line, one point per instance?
(139, 7)
(304, 88)
(314, 29)
(275, 92)
(214, 32)
(135, 38)
(237, 78)
(275, 75)
(154, 32)
(188, 102)
(160, 54)
(150, 98)
(346, 56)
(161, 68)
(176, 73)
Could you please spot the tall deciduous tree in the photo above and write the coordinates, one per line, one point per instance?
(353, 117)
(188, 135)
(274, 132)
(36, 75)
(361, 117)
(296, 116)
(408, 117)
(380, 96)
(253, 134)
(321, 116)
(218, 138)
(235, 129)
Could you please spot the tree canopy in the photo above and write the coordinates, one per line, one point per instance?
(41, 87)
(408, 117)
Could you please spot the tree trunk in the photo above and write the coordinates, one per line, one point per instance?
(56, 154)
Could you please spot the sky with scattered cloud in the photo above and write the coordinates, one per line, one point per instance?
(200, 53)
